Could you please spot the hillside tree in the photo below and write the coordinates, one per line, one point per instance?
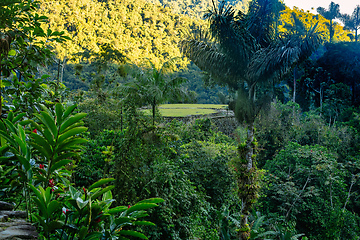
(352, 22)
(330, 14)
(245, 54)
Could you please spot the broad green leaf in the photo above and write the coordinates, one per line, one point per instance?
(70, 133)
(39, 140)
(41, 221)
(40, 149)
(47, 195)
(60, 164)
(3, 149)
(24, 162)
(141, 206)
(72, 120)
(139, 214)
(82, 232)
(21, 144)
(10, 116)
(81, 203)
(53, 206)
(121, 221)
(65, 156)
(10, 125)
(99, 193)
(55, 225)
(50, 123)
(93, 236)
(9, 139)
(59, 113)
(71, 143)
(41, 206)
(107, 196)
(38, 194)
(21, 133)
(144, 223)
(2, 126)
(48, 136)
(117, 209)
(73, 192)
(18, 117)
(46, 110)
(101, 182)
(123, 238)
(68, 111)
(152, 200)
(73, 203)
(4, 160)
(133, 234)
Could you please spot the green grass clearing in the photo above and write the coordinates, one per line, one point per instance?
(196, 106)
(183, 110)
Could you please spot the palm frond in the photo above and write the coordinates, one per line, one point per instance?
(231, 32)
(209, 58)
(272, 62)
(260, 20)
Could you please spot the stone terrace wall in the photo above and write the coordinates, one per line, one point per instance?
(225, 124)
(13, 224)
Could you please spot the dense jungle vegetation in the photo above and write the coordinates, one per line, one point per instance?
(82, 159)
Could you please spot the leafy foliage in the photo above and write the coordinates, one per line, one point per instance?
(309, 185)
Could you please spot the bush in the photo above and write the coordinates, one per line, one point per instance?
(309, 186)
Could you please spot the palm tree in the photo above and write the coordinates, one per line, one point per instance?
(330, 14)
(297, 27)
(245, 54)
(352, 22)
(153, 86)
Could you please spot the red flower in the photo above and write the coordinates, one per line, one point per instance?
(34, 131)
(84, 190)
(41, 166)
(51, 183)
(65, 211)
(129, 206)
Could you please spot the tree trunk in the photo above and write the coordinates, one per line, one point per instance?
(356, 37)
(249, 146)
(247, 183)
(294, 90)
(153, 112)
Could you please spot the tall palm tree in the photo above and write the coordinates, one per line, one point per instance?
(153, 86)
(245, 54)
(352, 22)
(296, 27)
(330, 14)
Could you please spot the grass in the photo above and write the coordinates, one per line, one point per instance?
(183, 110)
(194, 106)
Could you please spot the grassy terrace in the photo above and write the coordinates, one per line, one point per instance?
(183, 110)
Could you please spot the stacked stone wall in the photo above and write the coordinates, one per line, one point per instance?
(13, 224)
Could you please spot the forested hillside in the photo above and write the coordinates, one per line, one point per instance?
(141, 29)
